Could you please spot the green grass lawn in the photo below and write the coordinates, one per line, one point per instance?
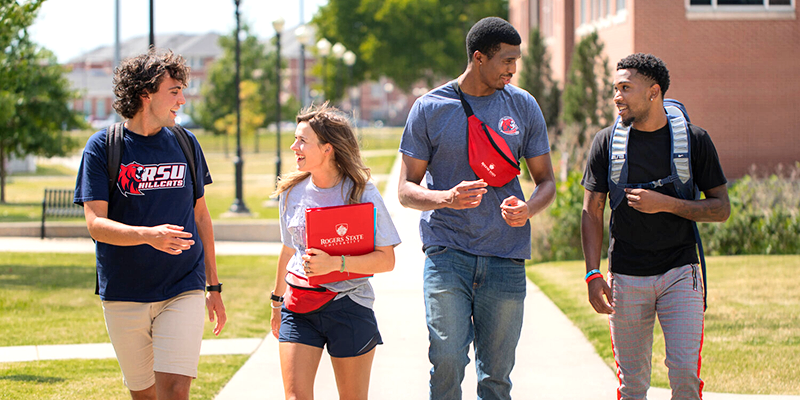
(752, 326)
(49, 299)
(100, 379)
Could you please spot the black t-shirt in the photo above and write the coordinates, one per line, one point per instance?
(651, 244)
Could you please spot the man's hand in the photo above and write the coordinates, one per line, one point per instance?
(647, 201)
(168, 238)
(216, 311)
(514, 211)
(597, 289)
(467, 194)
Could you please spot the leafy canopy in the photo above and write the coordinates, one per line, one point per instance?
(405, 40)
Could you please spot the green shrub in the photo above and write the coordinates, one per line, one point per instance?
(764, 217)
(560, 237)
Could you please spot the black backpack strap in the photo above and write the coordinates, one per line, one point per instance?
(187, 145)
(115, 134)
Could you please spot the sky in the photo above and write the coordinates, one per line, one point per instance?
(71, 27)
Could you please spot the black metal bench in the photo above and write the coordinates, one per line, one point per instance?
(58, 203)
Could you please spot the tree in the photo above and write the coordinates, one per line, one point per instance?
(404, 40)
(34, 94)
(588, 89)
(217, 109)
(536, 78)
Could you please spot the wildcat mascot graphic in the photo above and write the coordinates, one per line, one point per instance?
(130, 177)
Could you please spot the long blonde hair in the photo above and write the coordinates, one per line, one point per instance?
(332, 128)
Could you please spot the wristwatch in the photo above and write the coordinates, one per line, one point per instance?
(274, 297)
(214, 288)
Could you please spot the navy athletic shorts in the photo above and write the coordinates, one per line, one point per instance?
(346, 327)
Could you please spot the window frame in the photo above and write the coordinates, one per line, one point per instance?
(736, 11)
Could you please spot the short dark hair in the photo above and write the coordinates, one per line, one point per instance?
(487, 34)
(648, 65)
(143, 74)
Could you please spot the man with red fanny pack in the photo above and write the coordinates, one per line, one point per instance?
(465, 138)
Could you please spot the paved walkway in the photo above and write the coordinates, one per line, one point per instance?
(554, 360)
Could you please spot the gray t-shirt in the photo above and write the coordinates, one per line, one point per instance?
(436, 132)
(304, 195)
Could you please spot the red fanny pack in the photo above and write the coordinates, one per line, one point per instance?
(489, 155)
(304, 298)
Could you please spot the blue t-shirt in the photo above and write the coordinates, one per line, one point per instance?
(154, 188)
(304, 195)
(436, 132)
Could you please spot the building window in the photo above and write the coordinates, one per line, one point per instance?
(608, 7)
(584, 15)
(547, 18)
(740, 9)
(620, 5)
(744, 3)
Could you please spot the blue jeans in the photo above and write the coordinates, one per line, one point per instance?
(470, 299)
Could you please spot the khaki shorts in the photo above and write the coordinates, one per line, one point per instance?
(164, 336)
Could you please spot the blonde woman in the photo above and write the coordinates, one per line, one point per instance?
(330, 172)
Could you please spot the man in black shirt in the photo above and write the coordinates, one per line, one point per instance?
(652, 255)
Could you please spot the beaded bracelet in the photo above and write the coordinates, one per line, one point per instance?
(590, 273)
(343, 268)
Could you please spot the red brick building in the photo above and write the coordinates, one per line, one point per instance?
(735, 64)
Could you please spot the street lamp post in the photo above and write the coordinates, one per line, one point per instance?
(303, 37)
(338, 51)
(238, 205)
(350, 60)
(324, 49)
(152, 27)
(278, 25)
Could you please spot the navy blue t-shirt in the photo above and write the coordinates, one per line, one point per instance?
(154, 188)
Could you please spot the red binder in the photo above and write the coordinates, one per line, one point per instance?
(341, 230)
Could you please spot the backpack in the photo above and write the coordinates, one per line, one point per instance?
(114, 137)
(681, 168)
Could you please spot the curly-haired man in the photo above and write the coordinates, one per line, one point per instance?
(653, 263)
(155, 243)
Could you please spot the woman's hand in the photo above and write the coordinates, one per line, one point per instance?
(275, 319)
(317, 262)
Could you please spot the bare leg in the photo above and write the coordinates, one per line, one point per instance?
(147, 394)
(172, 386)
(352, 375)
(299, 363)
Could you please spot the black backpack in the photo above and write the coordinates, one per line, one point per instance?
(114, 138)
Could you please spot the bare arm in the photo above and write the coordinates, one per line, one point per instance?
(594, 204)
(205, 230)
(467, 194)
(716, 207)
(280, 288)
(168, 238)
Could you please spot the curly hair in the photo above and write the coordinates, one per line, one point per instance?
(487, 34)
(650, 66)
(143, 74)
(331, 126)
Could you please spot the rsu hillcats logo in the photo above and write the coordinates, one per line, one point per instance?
(134, 177)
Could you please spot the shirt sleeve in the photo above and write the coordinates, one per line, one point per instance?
(706, 168)
(92, 181)
(415, 141)
(538, 143)
(385, 233)
(595, 175)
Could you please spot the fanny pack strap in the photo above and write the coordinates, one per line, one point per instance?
(467, 108)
